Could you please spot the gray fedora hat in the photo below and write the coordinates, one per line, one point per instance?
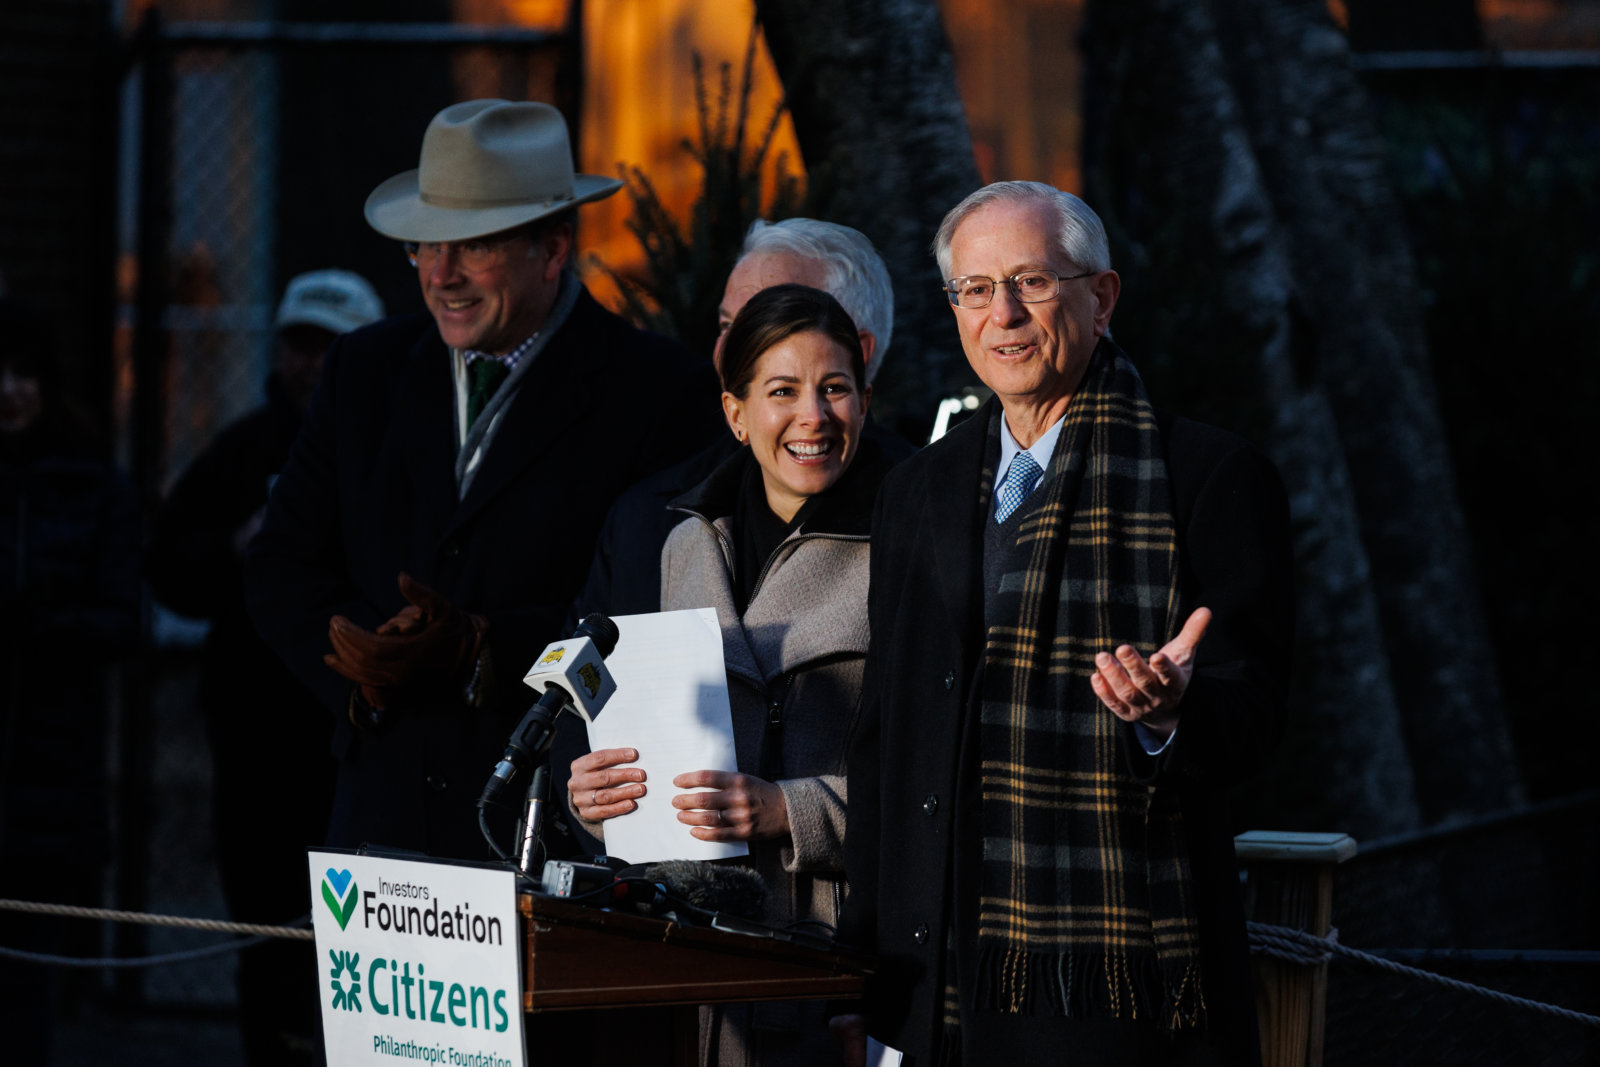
(486, 166)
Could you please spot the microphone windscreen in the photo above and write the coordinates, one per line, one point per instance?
(735, 889)
(602, 631)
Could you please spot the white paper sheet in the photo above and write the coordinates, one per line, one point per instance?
(881, 1055)
(672, 705)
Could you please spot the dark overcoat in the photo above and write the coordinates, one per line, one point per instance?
(912, 816)
(370, 491)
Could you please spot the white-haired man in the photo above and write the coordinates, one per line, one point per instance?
(824, 255)
(1035, 847)
(431, 526)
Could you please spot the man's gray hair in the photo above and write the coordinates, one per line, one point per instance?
(852, 271)
(1080, 234)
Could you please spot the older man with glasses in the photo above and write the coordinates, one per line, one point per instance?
(440, 507)
(1080, 626)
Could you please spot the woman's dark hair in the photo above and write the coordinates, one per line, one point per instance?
(776, 314)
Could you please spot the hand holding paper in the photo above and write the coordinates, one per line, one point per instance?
(736, 807)
(671, 710)
(602, 786)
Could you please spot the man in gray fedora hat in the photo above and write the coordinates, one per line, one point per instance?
(441, 504)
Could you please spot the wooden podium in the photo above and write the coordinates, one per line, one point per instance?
(585, 958)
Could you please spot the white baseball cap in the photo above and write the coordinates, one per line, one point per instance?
(337, 300)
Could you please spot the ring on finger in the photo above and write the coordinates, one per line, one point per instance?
(594, 798)
(720, 820)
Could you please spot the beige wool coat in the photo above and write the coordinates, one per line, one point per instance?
(801, 645)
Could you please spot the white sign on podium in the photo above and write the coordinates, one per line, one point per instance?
(417, 961)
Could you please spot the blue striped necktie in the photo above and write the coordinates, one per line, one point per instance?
(1018, 484)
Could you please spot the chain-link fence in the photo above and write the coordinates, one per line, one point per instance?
(222, 138)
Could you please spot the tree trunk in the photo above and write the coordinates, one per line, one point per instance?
(871, 89)
(1238, 126)
(1174, 133)
(1327, 171)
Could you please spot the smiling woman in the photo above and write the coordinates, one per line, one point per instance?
(776, 541)
(794, 390)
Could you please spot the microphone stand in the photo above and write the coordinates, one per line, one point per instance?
(530, 743)
(533, 818)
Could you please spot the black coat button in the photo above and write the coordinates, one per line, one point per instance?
(452, 549)
(438, 783)
(950, 680)
(920, 934)
(930, 805)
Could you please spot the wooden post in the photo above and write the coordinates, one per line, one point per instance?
(1290, 883)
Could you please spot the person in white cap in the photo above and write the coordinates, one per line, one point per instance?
(440, 507)
(317, 307)
(258, 716)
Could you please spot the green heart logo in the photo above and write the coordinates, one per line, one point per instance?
(342, 910)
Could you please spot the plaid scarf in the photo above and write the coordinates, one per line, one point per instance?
(1086, 901)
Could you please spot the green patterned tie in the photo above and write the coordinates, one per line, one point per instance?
(487, 374)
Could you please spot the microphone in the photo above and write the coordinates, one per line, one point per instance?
(575, 878)
(702, 890)
(725, 897)
(573, 677)
(696, 885)
(710, 887)
(577, 667)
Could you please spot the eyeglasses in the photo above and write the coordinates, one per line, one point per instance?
(1030, 287)
(478, 254)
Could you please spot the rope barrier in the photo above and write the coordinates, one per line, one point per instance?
(295, 931)
(45, 959)
(1279, 942)
(259, 934)
(1297, 946)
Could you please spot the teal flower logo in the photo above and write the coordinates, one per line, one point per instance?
(346, 999)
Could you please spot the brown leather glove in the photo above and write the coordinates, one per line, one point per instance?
(427, 652)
